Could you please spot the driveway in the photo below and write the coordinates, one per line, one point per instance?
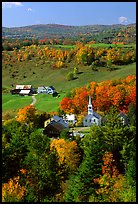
(34, 100)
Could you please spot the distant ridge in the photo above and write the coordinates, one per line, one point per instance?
(58, 30)
(62, 25)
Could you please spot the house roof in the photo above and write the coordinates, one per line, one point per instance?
(122, 114)
(42, 87)
(23, 86)
(24, 91)
(58, 126)
(52, 87)
(60, 120)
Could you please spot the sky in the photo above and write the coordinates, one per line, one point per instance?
(17, 14)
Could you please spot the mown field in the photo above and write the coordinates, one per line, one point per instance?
(102, 45)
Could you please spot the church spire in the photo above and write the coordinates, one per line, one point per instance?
(90, 110)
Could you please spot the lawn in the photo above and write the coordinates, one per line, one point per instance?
(14, 102)
(47, 103)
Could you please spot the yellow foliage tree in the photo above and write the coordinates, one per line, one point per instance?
(13, 191)
(68, 153)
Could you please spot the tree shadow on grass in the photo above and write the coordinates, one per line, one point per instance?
(80, 73)
(74, 78)
(113, 68)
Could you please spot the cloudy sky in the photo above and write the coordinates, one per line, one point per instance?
(16, 14)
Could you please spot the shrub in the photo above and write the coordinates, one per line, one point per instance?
(70, 76)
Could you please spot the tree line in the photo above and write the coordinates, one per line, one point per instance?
(119, 93)
(83, 54)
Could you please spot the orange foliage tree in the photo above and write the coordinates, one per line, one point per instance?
(109, 173)
(26, 114)
(113, 186)
(67, 105)
(80, 100)
(119, 93)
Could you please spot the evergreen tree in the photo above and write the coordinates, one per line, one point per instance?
(41, 168)
(81, 185)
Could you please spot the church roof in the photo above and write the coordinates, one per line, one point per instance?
(94, 114)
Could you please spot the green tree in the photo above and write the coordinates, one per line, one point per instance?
(70, 76)
(131, 116)
(118, 138)
(14, 148)
(76, 71)
(41, 169)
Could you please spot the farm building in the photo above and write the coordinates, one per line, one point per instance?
(54, 129)
(46, 90)
(42, 89)
(57, 119)
(92, 117)
(25, 93)
(23, 90)
(70, 118)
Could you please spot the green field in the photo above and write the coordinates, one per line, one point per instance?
(14, 102)
(44, 102)
(102, 45)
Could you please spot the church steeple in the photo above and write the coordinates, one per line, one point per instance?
(90, 110)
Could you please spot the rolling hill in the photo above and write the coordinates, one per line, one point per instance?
(65, 31)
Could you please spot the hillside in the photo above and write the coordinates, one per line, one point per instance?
(57, 78)
(96, 32)
(50, 66)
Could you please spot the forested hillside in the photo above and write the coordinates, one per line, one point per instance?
(97, 33)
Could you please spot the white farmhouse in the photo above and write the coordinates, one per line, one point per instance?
(70, 118)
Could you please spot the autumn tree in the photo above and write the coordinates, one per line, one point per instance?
(112, 184)
(68, 154)
(26, 114)
(70, 76)
(66, 105)
(12, 191)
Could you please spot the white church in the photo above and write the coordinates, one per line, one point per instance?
(92, 117)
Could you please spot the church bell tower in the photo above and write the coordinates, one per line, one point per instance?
(90, 110)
